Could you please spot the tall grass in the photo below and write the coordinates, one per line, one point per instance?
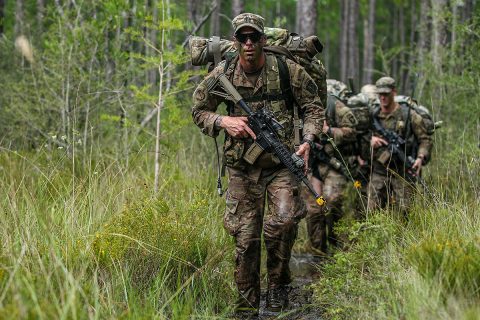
(426, 266)
(93, 241)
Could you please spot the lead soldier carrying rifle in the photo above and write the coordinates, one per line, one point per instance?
(255, 174)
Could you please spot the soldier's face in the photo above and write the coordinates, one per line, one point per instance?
(249, 43)
(386, 99)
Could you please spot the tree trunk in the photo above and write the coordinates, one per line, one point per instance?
(401, 30)
(194, 13)
(238, 6)
(298, 17)
(394, 43)
(412, 56)
(439, 35)
(423, 32)
(2, 15)
(353, 51)
(19, 17)
(152, 37)
(344, 40)
(308, 18)
(215, 20)
(40, 14)
(369, 42)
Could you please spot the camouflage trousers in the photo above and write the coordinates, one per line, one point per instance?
(244, 220)
(321, 220)
(389, 190)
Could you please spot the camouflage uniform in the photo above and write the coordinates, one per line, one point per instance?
(388, 181)
(362, 104)
(320, 220)
(248, 184)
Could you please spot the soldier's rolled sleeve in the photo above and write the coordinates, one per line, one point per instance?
(345, 133)
(205, 107)
(306, 95)
(425, 142)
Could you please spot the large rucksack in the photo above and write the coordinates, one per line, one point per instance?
(302, 50)
(358, 104)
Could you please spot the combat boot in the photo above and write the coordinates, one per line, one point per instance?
(277, 298)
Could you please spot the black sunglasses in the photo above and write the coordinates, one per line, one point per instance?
(253, 36)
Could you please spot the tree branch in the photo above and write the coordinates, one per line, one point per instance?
(199, 25)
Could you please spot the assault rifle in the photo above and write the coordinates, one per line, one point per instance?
(396, 145)
(265, 127)
(317, 152)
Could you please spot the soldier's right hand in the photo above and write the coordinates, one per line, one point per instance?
(377, 142)
(237, 127)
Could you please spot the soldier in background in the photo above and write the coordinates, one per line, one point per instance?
(388, 173)
(331, 177)
(362, 105)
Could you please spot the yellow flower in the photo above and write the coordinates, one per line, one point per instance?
(357, 184)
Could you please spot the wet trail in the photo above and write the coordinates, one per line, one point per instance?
(304, 271)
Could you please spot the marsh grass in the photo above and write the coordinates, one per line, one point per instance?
(93, 241)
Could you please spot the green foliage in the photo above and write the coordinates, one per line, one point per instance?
(149, 234)
(349, 286)
(454, 262)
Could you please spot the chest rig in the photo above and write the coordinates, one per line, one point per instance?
(276, 95)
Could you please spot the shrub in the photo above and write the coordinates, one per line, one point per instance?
(454, 262)
(149, 234)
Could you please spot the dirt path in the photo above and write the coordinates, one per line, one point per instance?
(304, 270)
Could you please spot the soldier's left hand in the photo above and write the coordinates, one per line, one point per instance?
(325, 127)
(304, 152)
(417, 166)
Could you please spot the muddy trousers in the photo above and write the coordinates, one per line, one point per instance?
(244, 219)
(321, 220)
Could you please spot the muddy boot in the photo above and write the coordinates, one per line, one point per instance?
(277, 299)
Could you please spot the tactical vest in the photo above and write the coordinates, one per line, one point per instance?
(403, 127)
(276, 95)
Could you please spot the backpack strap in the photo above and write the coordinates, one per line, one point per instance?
(406, 115)
(331, 109)
(230, 63)
(290, 100)
(213, 48)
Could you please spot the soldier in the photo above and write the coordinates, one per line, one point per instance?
(255, 74)
(362, 105)
(389, 173)
(330, 175)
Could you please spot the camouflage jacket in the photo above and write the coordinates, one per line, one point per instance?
(343, 123)
(304, 92)
(419, 137)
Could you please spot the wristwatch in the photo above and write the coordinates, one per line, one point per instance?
(217, 123)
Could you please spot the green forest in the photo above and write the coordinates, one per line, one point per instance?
(108, 200)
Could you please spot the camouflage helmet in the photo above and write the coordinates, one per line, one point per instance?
(337, 88)
(370, 91)
(385, 85)
(248, 20)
